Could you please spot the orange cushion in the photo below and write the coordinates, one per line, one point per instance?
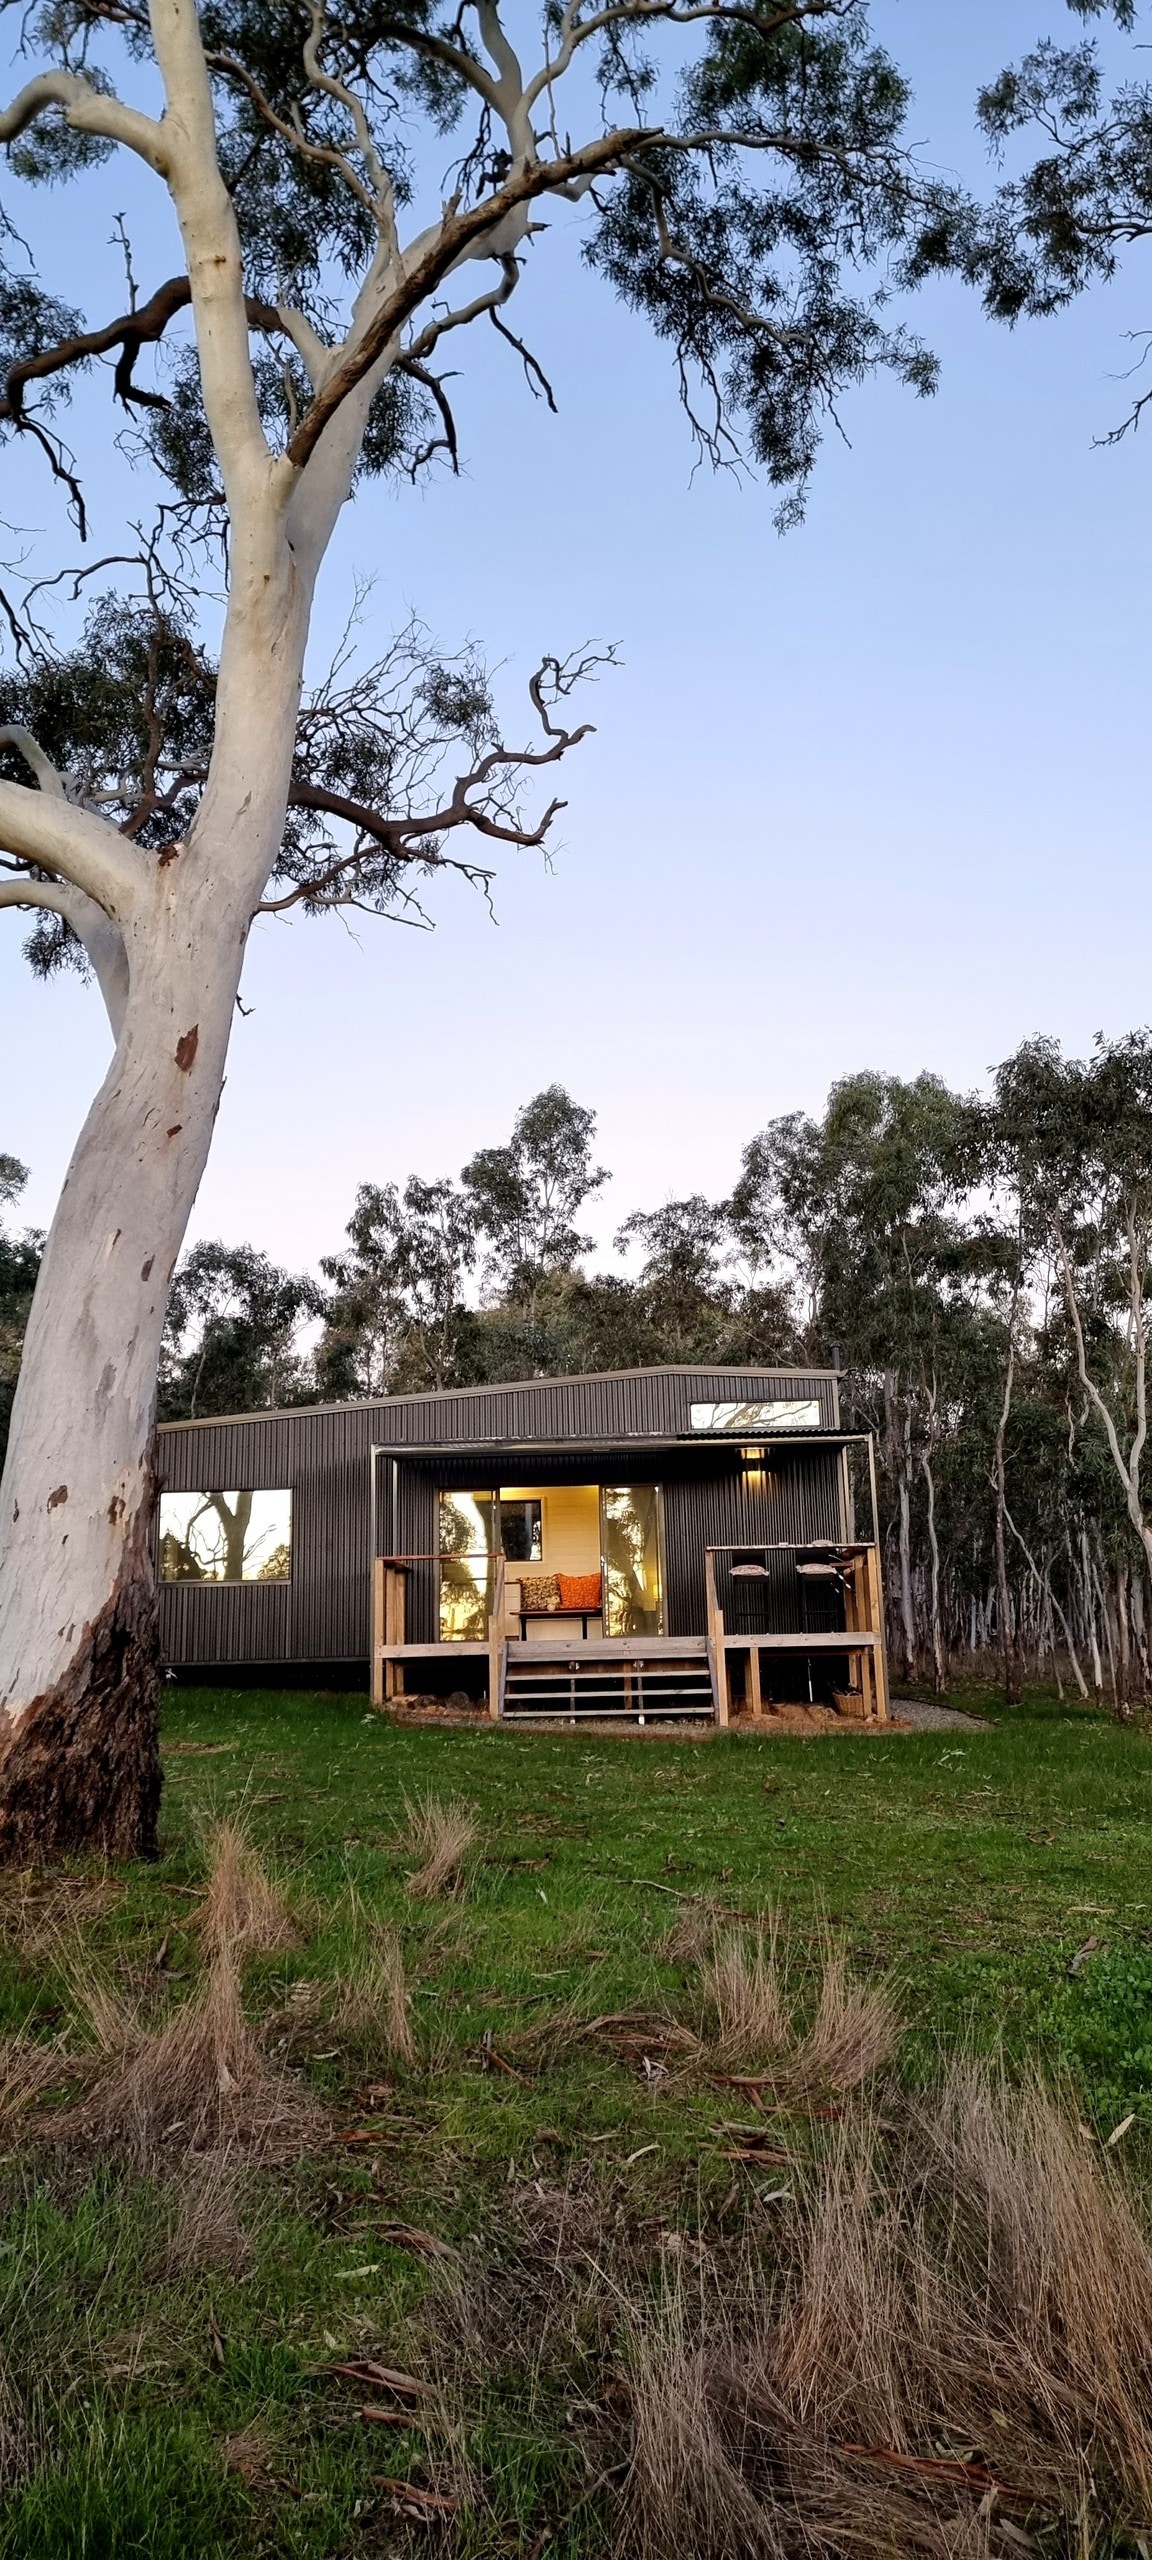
(579, 1590)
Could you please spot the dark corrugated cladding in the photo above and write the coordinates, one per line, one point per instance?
(323, 1454)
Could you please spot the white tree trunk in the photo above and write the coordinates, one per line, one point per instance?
(78, 1661)
(77, 1598)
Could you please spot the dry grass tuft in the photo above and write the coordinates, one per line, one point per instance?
(534, 2297)
(249, 2452)
(27, 2069)
(199, 2080)
(36, 1911)
(693, 1933)
(1067, 2272)
(854, 2032)
(440, 1837)
(744, 1986)
(373, 1999)
(950, 2353)
(209, 2232)
(242, 1908)
(110, 2022)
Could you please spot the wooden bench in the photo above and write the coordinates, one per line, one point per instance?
(548, 1614)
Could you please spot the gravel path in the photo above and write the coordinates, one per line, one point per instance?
(923, 1713)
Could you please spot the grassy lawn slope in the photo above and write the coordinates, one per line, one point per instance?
(516, 2117)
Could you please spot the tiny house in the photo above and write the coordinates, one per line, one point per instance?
(644, 1544)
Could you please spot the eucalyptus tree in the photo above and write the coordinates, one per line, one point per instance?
(232, 1340)
(396, 1311)
(527, 1195)
(745, 189)
(866, 1208)
(691, 1295)
(1062, 220)
(1081, 1135)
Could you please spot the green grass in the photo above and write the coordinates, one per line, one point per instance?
(968, 1866)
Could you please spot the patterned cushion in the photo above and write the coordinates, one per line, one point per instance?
(539, 1592)
(579, 1590)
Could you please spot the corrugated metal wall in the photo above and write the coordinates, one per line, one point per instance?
(796, 1499)
(323, 1455)
(628, 1404)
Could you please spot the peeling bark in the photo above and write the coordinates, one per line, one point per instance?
(81, 1770)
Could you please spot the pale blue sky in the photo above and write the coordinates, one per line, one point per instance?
(874, 794)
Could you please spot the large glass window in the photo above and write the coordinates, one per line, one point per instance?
(630, 1540)
(226, 1537)
(793, 1413)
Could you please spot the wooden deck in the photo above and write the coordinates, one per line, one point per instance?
(572, 1665)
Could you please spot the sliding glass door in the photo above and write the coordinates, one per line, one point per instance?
(630, 1546)
(473, 1526)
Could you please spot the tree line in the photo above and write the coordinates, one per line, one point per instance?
(977, 1268)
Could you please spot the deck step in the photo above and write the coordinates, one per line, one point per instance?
(568, 1687)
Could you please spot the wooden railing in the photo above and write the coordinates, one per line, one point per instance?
(714, 1629)
(389, 1623)
(857, 1568)
(497, 1643)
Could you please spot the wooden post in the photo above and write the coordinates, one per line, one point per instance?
(875, 1590)
(717, 1653)
(497, 1639)
(378, 1635)
(856, 1622)
(395, 1597)
(755, 1700)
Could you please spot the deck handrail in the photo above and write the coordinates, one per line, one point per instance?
(792, 1546)
(447, 1555)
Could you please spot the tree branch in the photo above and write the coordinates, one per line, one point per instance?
(101, 940)
(144, 325)
(211, 239)
(1098, 1404)
(44, 829)
(41, 765)
(86, 110)
(457, 236)
(490, 302)
(335, 888)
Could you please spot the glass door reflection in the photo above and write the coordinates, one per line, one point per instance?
(630, 1548)
(474, 1527)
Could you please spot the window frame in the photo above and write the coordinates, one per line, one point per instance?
(223, 1581)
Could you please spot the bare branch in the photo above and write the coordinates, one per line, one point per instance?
(381, 198)
(489, 302)
(534, 373)
(410, 702)
(141, 326)
(457, 236)
(337, 886)
(447, 443)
